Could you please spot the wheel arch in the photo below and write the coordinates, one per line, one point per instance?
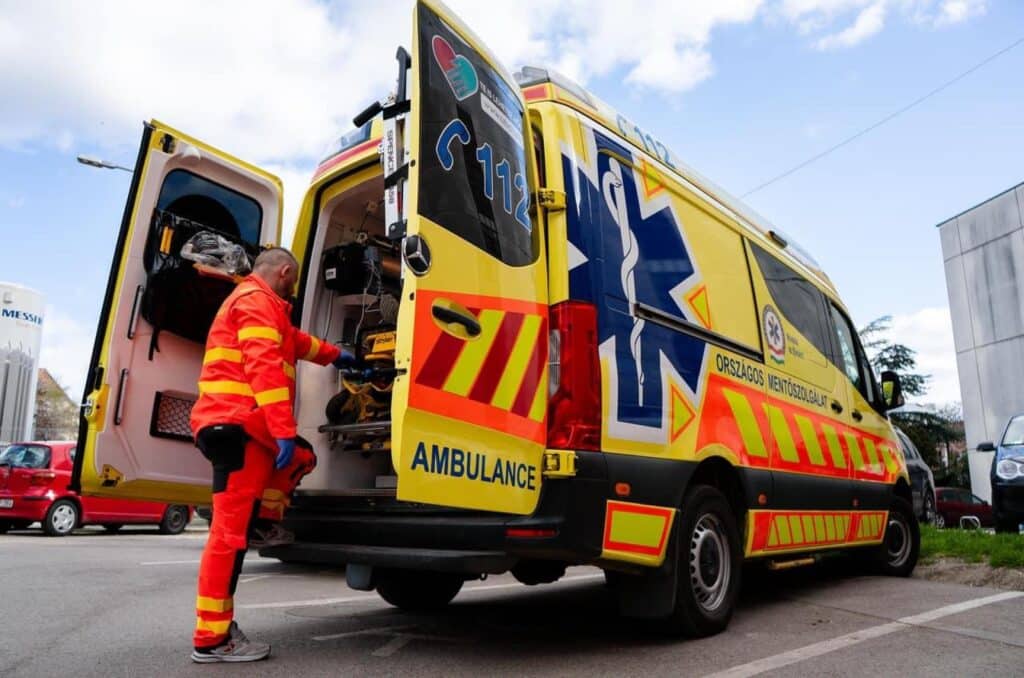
(720, 473)
(902, 490)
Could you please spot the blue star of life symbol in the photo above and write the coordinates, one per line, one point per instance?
(630, 259)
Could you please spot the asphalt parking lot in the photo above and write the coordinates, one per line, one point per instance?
(94, 604)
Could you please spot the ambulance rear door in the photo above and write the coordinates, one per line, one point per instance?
(134, 437)
(469, 412)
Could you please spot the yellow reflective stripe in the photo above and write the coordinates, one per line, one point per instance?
(214, 604)
(271, 396)
(230, 354)
(540, 399)
(773, 535)
(219, 627)
(830, 528)
(819, 528)
(807, 522)
(314, 349)
(467, 367)
(796, 528)
(889, 457)
(810, 437)
(873, 461)
(743, 414)
(784, 537)
(834, 448)
(289, 370)
(270, 494)
(259, 332)
(234, 387)
(853, 444)
(515, 366)
(640, 529)
(781, 433)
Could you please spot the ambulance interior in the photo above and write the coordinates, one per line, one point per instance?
(351, 299)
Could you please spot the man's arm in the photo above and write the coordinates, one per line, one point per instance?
(259, 337)
(308, 347)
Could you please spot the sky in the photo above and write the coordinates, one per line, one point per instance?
(741, 90)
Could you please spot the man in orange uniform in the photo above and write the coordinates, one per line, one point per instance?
(244, 424)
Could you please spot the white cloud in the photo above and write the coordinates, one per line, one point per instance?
(66, 349)
(929, 332)
(869, 22)
(954, 11)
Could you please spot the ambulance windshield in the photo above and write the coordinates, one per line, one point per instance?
(473, 170)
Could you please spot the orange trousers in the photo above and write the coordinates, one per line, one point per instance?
(245, 486)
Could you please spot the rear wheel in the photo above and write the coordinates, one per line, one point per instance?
(708, 564)
(174, 521)
(415, 591)
(940, 520)
(61, 519)
(112, 528)
(930, 517)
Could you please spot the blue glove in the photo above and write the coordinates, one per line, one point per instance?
(344, 360)
(285, 452)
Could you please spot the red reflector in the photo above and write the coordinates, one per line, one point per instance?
(530, 533)
(623, 489)
(574, 411)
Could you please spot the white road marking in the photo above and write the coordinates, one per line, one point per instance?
(401, 638)
(371, 596)
(170, 562)
(841, 642)
(392, 646)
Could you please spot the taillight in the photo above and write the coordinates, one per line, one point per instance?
(42, 478)
(574, 411)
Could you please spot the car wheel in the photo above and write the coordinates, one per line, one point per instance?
(930, 517)
(897, 555)
(112, 528)
(940, 520)
(415, 591)
(708, 565)
(174, 521)
(61, 519)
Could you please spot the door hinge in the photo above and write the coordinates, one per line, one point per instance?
(559, 463)
(550, 199)
(110, 476)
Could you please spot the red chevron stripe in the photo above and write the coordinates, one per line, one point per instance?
(528, 389)
(439, 363)
(494, 364)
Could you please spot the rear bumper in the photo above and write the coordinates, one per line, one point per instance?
(26, 507)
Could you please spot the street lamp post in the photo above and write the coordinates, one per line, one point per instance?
(103, 164)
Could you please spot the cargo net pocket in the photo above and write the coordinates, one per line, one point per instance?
(171, 413)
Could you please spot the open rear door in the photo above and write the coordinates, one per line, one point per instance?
(469, 414)
(134, 438)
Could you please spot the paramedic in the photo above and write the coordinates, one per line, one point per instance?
(244, 424)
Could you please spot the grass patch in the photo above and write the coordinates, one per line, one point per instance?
(974, 546)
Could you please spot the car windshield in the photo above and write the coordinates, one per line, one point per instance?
(1014, 432)
(26, 456)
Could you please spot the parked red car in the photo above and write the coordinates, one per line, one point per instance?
(952, 503)
(34, 481)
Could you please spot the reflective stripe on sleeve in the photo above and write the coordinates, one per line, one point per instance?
(207, 604)
(314, 349)
(219, 627)
(225, 386)
(229, 354)
(289, 370)
(271, 396)
(259, 332)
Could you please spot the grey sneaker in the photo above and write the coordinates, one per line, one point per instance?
(237, 648)
(275, 535)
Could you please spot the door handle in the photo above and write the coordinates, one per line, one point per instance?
(836, 407)
(857, 416)
(448, 315)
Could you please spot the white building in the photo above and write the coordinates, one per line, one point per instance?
(983, 249)
(21, 330)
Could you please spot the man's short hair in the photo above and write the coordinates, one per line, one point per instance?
(274, 257)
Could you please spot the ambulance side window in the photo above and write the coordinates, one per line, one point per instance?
(850, 357)
(800, 302)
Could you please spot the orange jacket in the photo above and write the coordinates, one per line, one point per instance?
(248, 374)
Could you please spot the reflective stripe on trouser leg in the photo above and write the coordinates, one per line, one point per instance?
(278, 494)
(233, 511)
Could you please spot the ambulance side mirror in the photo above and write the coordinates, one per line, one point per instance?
(892, 390)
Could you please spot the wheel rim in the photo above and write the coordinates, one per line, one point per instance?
(64, 518)
(710, 565)
(929, 511)
(940, 520)
(176, 519)
(897, 540)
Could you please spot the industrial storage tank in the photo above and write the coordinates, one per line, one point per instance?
(21, 333)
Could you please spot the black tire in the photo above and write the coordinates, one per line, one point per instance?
(1007, 525)
(175, 520)
(112, 528)
(62, 518)
(708, 548)
(901, 546)
(415, 591)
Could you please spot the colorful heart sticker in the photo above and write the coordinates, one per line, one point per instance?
(458, 71)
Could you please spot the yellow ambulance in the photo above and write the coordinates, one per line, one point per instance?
(580, 351)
